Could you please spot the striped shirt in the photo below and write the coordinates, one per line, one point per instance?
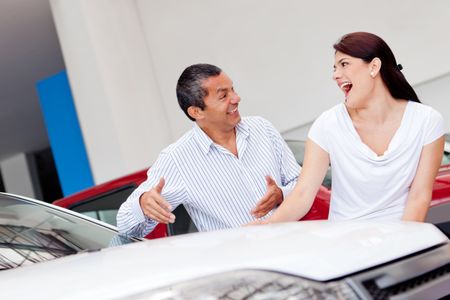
(217, 188)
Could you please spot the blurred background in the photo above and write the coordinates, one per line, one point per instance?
(87, 87)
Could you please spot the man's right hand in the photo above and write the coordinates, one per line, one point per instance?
(154, 205)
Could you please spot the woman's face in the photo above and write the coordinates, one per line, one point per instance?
(353, 78)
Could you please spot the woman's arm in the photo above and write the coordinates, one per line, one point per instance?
(419, 196)
(300, 200)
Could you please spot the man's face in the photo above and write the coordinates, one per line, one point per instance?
(221, 104)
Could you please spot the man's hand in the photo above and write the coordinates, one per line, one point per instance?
(256, 222)
(154, 205)
(272, 198)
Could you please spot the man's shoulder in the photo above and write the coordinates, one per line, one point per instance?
(255, 121)
(184, 141)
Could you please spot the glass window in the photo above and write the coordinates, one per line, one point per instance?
(31, 232)
(105, 206)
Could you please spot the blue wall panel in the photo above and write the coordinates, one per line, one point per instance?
(64, 134)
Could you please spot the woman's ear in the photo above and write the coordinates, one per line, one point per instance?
(195, 112)
(375, 66)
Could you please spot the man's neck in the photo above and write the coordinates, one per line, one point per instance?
(226, 138)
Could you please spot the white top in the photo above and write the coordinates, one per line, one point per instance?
(366, 185)
(217, 188)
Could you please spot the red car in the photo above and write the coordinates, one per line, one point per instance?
(102, 201)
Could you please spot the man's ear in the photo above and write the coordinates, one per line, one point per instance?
(195, 112)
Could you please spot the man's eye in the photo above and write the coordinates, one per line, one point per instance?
(223, 96)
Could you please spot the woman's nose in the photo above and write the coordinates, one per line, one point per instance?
(336, 75)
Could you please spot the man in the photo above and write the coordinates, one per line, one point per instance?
(225, 171)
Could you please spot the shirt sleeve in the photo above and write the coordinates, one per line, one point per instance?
(130, 218)
(317, 132)
(435, 128)
(289, 168)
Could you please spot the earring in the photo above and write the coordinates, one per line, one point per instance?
(372, 74)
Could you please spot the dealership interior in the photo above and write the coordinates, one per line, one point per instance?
(121, 61)
(88, 93)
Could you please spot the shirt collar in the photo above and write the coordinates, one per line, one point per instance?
(205, 142)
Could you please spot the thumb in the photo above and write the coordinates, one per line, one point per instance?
(158, 188)
(270, 181)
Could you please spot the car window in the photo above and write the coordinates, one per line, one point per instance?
(445, 158)
(104, 207)
(298, 149)
(31, 232)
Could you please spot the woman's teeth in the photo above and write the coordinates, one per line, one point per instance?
(346, 87)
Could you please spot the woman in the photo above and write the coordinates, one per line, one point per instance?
(385, 147)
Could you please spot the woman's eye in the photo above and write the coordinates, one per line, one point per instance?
(344, 63)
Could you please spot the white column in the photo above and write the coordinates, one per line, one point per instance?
(17, 176)
(122, 117)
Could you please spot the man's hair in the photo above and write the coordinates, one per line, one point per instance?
(189, 86)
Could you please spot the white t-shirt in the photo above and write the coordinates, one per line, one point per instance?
(366, 185)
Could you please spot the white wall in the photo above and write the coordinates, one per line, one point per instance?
(436, 92)
(116, 95)
(17, 176)
(279, 54)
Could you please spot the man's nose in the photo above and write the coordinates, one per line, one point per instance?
(236, 98)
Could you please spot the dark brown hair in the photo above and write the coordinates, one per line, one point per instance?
(190, 91)
(367, 46)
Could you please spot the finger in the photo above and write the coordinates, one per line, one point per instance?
(158, 188)
(265, 207)
(160, 200)
(158, 217)
(152, 201)
(264, 199)
(270, 181)
(162, 206)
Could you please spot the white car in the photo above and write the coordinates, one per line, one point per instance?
(300, 260)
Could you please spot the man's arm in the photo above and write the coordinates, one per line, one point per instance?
(289, 172)
(153, 201)
(299, 202)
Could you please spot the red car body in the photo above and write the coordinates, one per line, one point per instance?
(319, 210)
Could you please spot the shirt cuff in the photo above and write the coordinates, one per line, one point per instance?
(137, 210)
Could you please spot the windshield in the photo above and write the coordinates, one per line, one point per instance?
(31, 232)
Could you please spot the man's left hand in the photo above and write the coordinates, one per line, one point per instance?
(272, 198)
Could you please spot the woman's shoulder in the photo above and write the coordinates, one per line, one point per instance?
(332, 114)
(423, 111)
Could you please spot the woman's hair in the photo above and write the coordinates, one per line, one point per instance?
(367, 46)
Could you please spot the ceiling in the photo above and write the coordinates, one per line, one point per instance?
(29, 52)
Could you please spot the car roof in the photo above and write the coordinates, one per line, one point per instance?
(135, 179)
(318, 250)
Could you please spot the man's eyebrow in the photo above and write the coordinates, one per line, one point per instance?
(220, 89)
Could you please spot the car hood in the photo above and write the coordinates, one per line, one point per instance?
(318, 250)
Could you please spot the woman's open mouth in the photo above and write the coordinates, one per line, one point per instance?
(346, 86)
